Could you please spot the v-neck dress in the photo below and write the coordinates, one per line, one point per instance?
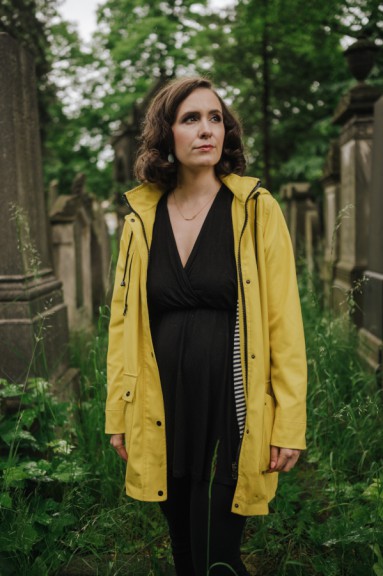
(192, 316)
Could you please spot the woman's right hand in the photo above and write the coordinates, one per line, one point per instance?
(118, 443)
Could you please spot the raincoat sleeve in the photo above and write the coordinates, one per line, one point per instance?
(114, 414)
(287, 345)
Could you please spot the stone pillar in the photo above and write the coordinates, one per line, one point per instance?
(101, 257)
(312, 228)
(294, 195)
(354, 115)
(33, 317)
(331, 191)
(302, 217)
(371, 335)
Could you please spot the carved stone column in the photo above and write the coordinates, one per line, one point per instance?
(355, 116)
(371, 335)
(33, 317)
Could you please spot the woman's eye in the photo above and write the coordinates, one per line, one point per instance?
(190, 118)
(216, 118)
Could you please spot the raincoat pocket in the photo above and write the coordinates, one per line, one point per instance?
(268, 421)
(130, 382)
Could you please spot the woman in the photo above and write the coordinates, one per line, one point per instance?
(206, 361)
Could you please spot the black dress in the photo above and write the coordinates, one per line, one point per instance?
(192, 316)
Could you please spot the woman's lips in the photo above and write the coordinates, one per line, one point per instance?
(205, 148)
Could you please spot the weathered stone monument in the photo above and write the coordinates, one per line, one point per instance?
(355, 117)
(371, 335)
(81, 252)
(100, 258)
(71, 235)
(302, 217)
(33, 317)
(331, 192)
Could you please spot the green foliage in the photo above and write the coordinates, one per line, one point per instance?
(328, 513)
(61, 488)
(285, 61)
(279, 64)
(61, 485)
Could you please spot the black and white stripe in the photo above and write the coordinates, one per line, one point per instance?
(239, 394)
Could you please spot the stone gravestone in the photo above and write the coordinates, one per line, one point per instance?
(33, 317)
(302, 217)
(71, 232)
(101, 257)
(372, 332)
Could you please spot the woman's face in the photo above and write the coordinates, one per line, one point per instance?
(198, 130)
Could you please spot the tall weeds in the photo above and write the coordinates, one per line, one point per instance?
(62, 495)
(327, 517)
(62, 486)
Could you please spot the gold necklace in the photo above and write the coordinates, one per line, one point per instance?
(199, 211)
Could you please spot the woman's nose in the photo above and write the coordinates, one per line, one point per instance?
(205, 128)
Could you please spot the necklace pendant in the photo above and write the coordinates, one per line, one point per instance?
(199, 211)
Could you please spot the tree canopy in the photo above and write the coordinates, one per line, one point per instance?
(280, 65)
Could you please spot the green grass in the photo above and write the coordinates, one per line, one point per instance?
(327, 517)
(62, 486)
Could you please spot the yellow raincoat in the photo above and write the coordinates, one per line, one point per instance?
(271, 340)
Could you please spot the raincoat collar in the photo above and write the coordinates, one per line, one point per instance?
(146, 196)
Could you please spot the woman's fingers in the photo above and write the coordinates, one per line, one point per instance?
(118, 443)
(282, 459)
(274, 453)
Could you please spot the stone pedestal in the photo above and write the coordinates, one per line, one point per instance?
(33, 317)
(355, 116)
(372, 332)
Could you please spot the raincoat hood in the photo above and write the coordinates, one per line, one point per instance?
(146, 196)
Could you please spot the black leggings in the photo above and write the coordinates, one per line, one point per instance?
(186, 511)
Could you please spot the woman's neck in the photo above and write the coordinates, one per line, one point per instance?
(201, 183)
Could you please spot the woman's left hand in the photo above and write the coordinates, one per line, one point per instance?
(282, 459)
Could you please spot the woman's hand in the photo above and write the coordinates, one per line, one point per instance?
(282, 459)
(118, 443)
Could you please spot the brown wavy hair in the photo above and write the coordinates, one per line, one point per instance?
(156, 141)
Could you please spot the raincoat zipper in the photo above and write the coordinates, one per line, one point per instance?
(235, 464)
(130, 211)
(241, 285)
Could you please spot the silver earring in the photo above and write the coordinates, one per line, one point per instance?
(170, 158)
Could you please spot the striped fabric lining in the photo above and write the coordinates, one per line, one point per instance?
(239, 394)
